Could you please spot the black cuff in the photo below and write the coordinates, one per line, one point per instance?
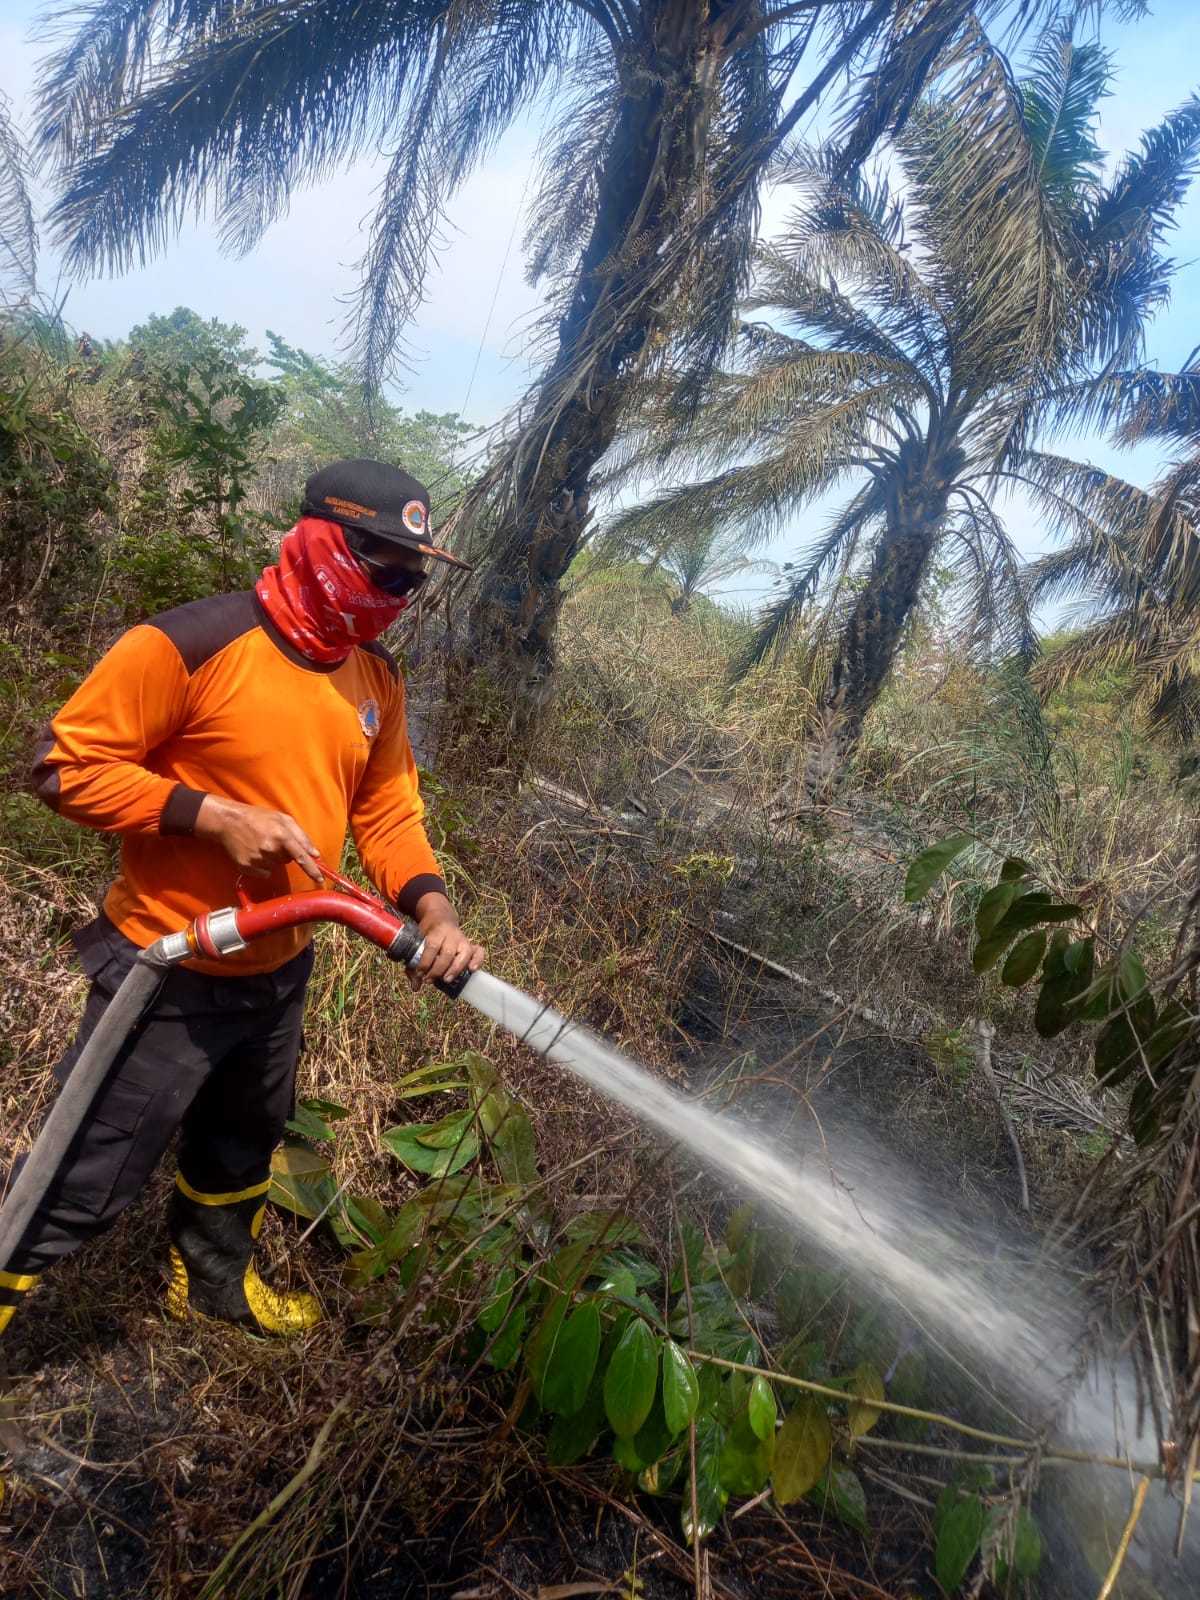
(423, 883)
(181, 810)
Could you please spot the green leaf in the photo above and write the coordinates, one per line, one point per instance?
(631, 1380)
(802, 1449)
(626, 1453)
(1028, 1545)
(1064, 991)
(568, 1373)
(1175, 1022)
(680, 1387)
(430, 1079)
(1014, 869)
(1025, 912)
(863, 1416)
(993, 906)
(445, 1133)
(506, 1346)
(762, 1408)
(746, 1458)
(962, 1528)
(738, 1226)
(406, 1143)
(654, 1438)
(405, 1231)
(620, 1284)
(500, 1293)
(1145, 1112)
(1024, 959)
(297, 1160)
(988, 951)
(710, 1497)
(1131, 976)
(368, 1216)
(363, 1266)
(740, 1273)
(571, 1437)
(306, 1123)
(543, 1339)
(484, 1077)
(328, 1109)
(946, 1502)
(611, 1227)
(841, 1492)
(1118, 1052)
(305, 1195)
(516, 1149)
(1123, 1044)
(928, 867)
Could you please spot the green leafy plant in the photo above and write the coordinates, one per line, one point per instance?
(609, 1354)
(1019, 928)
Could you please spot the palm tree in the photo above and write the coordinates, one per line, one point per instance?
(1132, 564)
(18, 235)
(918, 334)
(671, 111)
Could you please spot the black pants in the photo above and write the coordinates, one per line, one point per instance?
(214, 1058)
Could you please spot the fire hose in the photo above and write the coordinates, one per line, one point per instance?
(219, 933)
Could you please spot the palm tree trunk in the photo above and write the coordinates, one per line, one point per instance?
(871, 637)
(648, 190)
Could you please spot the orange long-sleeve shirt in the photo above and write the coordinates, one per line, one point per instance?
(211, 699)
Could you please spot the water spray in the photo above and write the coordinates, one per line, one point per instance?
(882, 1227)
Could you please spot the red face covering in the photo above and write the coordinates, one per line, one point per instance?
(319, 597)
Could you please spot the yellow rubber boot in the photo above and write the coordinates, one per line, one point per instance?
(212, 1263)
(14, 1286)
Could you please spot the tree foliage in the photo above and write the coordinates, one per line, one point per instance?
(669, 116)
(917, 326)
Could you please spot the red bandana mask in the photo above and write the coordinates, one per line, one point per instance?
(319, 597)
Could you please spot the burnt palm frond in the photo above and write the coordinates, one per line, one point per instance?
(830, 558)
(998, 262)
(1125, 528)
(1125, 271)
(917, 332)
(852, 233)
(18, 232)
(164, 108)
(757, 498)
(992, 612)
(1132, 403)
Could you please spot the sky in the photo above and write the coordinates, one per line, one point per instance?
(475, 330)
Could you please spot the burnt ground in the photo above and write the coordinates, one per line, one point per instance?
(138, 1449)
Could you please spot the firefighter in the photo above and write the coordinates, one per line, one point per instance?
(241, 734)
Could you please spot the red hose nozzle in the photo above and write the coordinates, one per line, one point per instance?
(220, 933)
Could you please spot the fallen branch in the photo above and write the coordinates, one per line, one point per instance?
(986, 1033)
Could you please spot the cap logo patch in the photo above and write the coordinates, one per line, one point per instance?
(413, 517)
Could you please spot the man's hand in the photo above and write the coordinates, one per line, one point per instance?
(257, 839)
(448, 951)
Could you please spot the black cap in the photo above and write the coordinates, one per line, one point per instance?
(378, 498)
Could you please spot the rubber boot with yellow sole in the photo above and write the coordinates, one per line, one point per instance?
(212, 1263)
(14, 1286)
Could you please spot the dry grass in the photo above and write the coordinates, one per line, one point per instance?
(422, 1475)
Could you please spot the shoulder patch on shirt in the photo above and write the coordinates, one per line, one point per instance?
(370, 718)
(202, 628)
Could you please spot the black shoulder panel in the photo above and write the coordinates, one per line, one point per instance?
(374, 648)
(202, 628)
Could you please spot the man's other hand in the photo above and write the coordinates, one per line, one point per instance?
(256, 839)
(448, 951)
